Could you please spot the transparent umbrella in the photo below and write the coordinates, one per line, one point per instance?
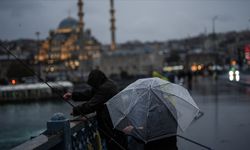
(152, 109)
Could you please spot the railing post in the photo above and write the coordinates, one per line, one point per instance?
(59, 123)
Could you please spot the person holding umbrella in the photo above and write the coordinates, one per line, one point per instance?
(102, 89)
(168, 142)
(154, 111)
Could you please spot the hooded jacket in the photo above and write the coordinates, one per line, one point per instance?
(102, 90)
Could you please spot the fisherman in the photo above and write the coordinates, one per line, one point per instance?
(102, 89)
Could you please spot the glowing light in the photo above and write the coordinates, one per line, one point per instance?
(77, 63)
(199, 67)
(13, 82)
(237, 75)
(231, 75)
(231, 78)
(173, 68)
(234, 75)
(233, 62)
(237, 78)
(52, 69)
(194, 68)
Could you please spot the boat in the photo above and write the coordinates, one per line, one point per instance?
(34, 91)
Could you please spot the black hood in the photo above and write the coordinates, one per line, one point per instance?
(96, 78)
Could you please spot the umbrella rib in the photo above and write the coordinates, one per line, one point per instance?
(139, 96)
(178, 97)
(146, 123)
(162, 84)
(162, 102)
(125, 113)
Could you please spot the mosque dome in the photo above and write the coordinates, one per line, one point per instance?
(68, 22)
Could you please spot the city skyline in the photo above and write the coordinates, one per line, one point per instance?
(143, 20)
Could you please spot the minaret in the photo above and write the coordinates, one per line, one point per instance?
(112, 28)
(80, 15)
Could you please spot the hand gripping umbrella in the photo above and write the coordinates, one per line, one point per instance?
(152, 109)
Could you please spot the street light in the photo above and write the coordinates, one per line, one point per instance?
(37, 35)
(37, 54)
(214, 47)
(249, 22)
(213, 23)
(215, 71)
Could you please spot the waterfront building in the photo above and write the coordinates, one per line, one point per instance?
(133, 62)
(23, 50)
(70, 51)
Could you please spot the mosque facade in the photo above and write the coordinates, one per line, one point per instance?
(69, 52)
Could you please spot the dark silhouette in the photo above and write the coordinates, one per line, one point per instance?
(102, 89)
(189, 79)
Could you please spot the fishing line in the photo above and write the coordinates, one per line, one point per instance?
(194, 142)
(33, 72)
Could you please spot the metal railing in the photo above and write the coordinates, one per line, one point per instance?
(65, 134)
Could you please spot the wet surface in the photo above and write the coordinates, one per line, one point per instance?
(225, 124)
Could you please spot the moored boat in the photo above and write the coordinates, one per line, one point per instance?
(34, 91)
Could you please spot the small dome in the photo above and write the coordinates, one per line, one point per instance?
(68, 23)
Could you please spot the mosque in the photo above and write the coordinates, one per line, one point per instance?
(70, 51)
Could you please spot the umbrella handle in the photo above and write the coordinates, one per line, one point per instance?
(194, 142)
(200, 114)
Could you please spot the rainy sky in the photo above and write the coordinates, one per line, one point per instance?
(144, 20)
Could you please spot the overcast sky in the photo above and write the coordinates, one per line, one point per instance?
(145, 20)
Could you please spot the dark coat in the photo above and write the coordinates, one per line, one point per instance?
(95, 99)
(168, 143)
(102, 90)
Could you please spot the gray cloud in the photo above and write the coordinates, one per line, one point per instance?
(146, 20)
(18, 7)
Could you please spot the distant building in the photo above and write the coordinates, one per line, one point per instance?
(204, 58)
(134, 62)
(69, 51)
(22, 49)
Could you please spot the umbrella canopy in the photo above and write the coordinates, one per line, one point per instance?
(152, 108)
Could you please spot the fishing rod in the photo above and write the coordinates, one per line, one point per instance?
(34, 73)
(71, 104)
(194, 142)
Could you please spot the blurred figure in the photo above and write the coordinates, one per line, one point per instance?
(181, 75)
(102, 89)
(159, 75)
(189, 75)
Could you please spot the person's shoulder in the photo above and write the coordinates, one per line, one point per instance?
(109, 84)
